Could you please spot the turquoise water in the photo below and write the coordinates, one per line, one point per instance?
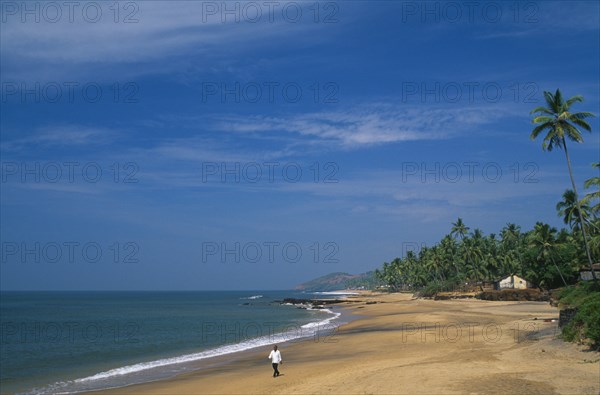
(65, 342)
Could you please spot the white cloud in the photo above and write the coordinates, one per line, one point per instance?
(62, 135)
(368, 125)
(166, 32)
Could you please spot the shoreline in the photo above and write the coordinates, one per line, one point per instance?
(219, 362)
(308, 317)
(400, 344)
(341, 308)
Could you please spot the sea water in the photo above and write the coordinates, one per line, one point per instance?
(67, 342)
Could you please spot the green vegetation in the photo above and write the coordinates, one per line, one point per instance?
(340, 280)
(545, 256)
(575, 295)
(561, 124)
(586, 323)
(434, 287)
(366, 280)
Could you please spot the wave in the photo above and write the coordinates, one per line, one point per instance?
(147, 371)
(336, 293)
(252, 297)
(323, 322)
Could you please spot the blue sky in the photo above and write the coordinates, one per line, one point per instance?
(179, 145)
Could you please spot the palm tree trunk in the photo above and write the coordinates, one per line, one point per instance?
(559, 272)
(581, 222)
(479, 279)
(476, 273)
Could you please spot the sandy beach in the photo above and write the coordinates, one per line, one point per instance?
(403, 345)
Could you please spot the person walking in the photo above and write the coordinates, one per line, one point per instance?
(275, 357)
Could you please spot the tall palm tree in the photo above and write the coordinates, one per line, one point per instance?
(472, 255)
(459, 229)
(509, 264)
(432, 262)
(543, 240)
(448, 251)
(477, 235)
(561, 124)
(511, 242)
(510, 235)
(569, 210)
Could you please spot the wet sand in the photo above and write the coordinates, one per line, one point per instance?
(402, 345)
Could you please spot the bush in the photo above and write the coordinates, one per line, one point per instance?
(575, 295)
(431, 289)
(586, 323)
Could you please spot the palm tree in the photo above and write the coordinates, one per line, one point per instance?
(561, 123)
(459, 229)
(509, 264)
(594, 181)
(511, 242)
(390, 274)
(432, 262)
(569, 210)
(477, 235)
(510, 235)
(595, 237)
(448, 251)
(543, 240)
(472, 255)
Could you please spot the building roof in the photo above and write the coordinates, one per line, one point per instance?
(512, 275)
(586, 268)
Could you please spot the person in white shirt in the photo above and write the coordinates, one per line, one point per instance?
(275, 357)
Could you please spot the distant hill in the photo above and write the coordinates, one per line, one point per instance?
(337, 281)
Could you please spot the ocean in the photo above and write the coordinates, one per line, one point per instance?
(68, 342)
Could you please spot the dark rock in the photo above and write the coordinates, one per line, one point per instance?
(515, 295)
(565, 316)
(312, 302)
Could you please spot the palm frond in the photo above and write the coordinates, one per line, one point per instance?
(558, 99)
(594, 181)
(538, 129)
(550, 100)
(550, 141)
(581, 123)
(542, 118)
(582, 115)
(574, 99)
(558, 129)
(541, 109)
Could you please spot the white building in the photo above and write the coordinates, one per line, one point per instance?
(513, 282)
(585, 274)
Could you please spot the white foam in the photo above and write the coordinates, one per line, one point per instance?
(336, 293)
(253, 297)
(323, 323)
(307, 330)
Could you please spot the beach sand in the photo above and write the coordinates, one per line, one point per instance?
(402, 345)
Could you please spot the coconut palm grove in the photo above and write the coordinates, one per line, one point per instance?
(550, 258)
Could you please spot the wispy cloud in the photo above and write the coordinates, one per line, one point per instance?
(61, 135)
(162, 35)
(541, 18)
(368, 125)
(391, 194)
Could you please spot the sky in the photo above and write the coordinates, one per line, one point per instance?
(199, 145)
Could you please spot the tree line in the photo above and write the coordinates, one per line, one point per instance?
(545, 256)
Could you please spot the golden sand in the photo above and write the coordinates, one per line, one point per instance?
(402, 345)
